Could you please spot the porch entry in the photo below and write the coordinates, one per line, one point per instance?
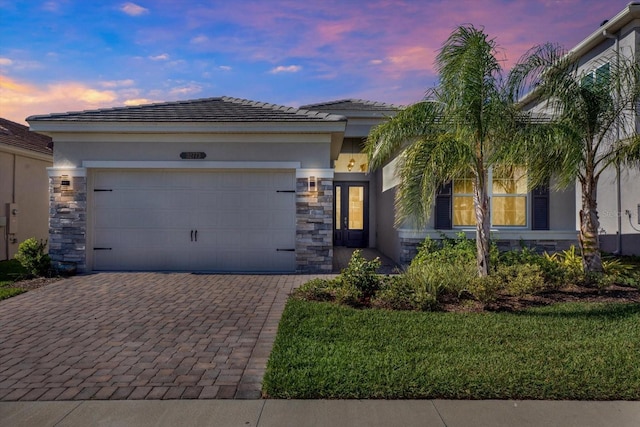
(351, 207)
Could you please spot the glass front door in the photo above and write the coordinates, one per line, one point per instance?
(351, 222)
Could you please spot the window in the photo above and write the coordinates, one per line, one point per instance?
(509, 201)
(508, 195)
(598, 76)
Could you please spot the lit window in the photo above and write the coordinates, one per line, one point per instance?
(509, 201)
(507, 193)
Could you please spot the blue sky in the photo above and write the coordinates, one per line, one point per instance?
(67, 55)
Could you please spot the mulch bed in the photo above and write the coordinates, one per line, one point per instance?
(614, 293)
(38, 282)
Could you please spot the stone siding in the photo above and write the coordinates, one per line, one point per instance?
(314, 227)
(68, 223)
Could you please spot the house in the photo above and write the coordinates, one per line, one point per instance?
(217, 184)
(24, 192)
(618, 190)
(226, 184)
(232, 185)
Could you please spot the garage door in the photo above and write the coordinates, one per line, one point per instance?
(227, 221)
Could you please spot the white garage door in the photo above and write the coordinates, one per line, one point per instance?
(194, 220)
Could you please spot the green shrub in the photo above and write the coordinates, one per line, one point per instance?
(361, 275)
(571, 263)
(406, 293)
(621, 273)
(552, 271)
(485, 289)
(34, 258)
(520, 280)
(348, 294)
(315, 290)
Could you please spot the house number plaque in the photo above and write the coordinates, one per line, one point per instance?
(193, 155)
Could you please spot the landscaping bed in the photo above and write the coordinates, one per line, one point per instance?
(537, 327)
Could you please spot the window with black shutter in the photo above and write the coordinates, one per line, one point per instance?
(540, 208)
(443, 207)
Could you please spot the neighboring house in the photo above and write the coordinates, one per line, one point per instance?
(24, 188)
(618, 193)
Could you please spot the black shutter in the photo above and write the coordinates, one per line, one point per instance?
(443, 207)
(540, 208)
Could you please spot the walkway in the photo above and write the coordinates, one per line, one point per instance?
(141, 336)
(321, 413)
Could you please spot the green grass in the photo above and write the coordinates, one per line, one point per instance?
(566, 351)
(10, 271)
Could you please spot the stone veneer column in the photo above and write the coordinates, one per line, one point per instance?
(314, 227)
(68, 222)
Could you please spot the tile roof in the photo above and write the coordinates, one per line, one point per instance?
(221, 109)
(17, 135)
(352, 104)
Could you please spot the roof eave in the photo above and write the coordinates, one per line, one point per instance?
(50, 127)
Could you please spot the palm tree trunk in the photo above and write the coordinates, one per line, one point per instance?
(483, 224)
(589, 226)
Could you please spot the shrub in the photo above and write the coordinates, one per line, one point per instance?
(571, 264)
(33, 257)
(520, 280)
(315, 290)
(552, 271)
(485, 289)
(361, 275)
(348, 294)
(406, 292)
(620, 273)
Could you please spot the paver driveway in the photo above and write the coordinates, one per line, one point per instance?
(141, 336)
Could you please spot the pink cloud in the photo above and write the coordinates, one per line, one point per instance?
(22, 99)
(133, 9)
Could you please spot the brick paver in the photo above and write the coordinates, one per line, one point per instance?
(141, 336)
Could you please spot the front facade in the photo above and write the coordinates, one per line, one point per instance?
(219, 184)
(24, 193)
(230, 185)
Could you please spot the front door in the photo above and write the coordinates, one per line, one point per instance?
(351, 222)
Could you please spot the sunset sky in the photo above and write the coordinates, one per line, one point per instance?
(64, 55)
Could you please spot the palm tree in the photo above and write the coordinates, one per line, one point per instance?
(590, 127)
(462, 129)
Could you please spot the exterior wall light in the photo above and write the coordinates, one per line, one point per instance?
(65, 182)
(313, 184)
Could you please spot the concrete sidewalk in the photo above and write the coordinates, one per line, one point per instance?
(331, 413)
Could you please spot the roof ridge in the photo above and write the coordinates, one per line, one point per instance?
(283, 108)
(354, 101)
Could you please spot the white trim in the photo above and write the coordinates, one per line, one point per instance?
(318, 173)
(185, 164)
(72, 172)
(497, 234)
(49, 127)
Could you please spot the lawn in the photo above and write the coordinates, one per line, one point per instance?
(10, 271)
(588, 351)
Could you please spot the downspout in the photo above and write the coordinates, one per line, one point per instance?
(618, 250)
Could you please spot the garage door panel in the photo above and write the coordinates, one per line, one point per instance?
(149, 220)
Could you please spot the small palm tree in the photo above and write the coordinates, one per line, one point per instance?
(462, 129)
(590, 127)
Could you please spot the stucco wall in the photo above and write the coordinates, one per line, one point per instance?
(387, 242)
(311, 150)
(31, 195)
